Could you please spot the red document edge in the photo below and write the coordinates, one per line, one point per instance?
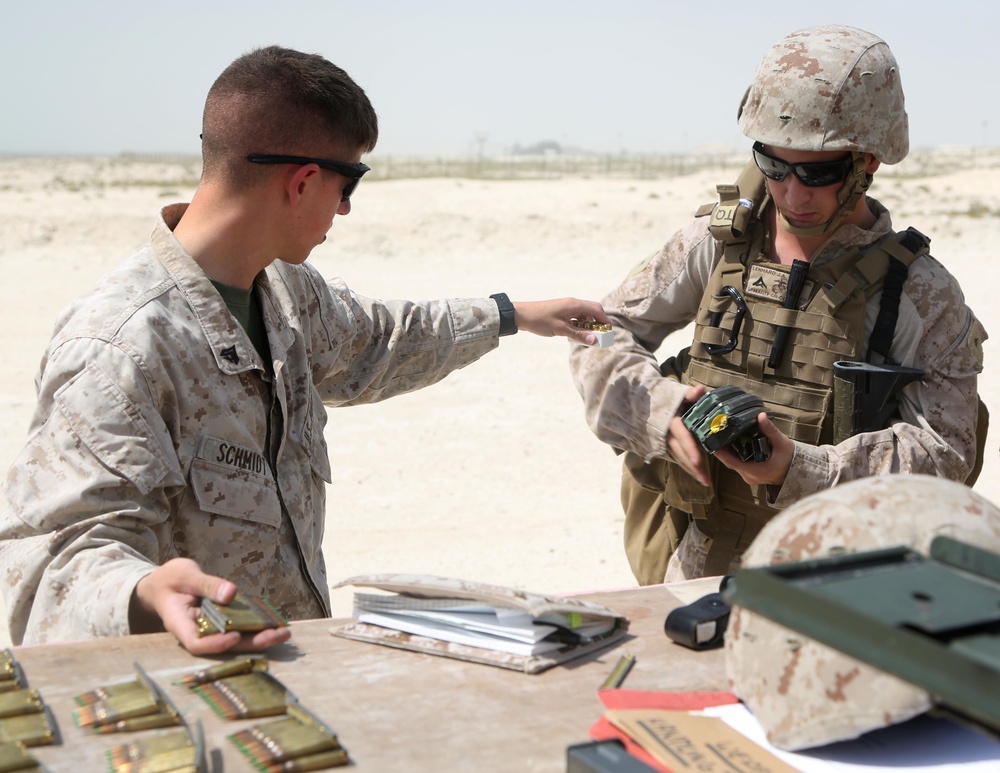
(603, 730)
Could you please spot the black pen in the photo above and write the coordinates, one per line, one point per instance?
(796, 280)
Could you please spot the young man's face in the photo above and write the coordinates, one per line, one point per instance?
(322, 200)
(802, 205)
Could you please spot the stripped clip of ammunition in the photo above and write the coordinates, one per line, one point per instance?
(14, 756)
(252, 694)
(605, 335)
(619, 672)
(25, 720)
(11, 675)
(37, 729)
(244, 613)
(136, 705)
(222, 670)
(298, 741)
(183, 750)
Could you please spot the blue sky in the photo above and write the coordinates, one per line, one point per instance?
(449, 76)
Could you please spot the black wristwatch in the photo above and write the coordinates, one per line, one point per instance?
(508, 326)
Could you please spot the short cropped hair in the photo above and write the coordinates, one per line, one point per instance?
(277, 100)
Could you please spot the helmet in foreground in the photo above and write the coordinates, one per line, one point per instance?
(807, 694)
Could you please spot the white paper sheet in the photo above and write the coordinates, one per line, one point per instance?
(922, 745)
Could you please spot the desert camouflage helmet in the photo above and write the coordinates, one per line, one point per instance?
(828, 88)
(807, 694)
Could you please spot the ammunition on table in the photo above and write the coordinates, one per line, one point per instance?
(17, 702)
(30, 729)
(619, 672)
(223, 670)
(121, 691)
(133, 704)
(160, 718)
(24, 718)
(297, 742)
(137, 705)
(7, 664)
(11, 675)
(256, 694)
(180, 752)
(15, 758)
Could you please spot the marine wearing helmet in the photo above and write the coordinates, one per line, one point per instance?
(825, 110)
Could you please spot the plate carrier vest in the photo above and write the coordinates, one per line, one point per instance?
(826, 326)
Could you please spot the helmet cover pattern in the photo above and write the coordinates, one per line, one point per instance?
(802, 692)
(828, 88)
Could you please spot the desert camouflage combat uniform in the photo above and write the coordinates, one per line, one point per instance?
(630, 405)
(827, 89)
(159, 432)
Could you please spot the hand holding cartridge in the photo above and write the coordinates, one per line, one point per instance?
(169, 597)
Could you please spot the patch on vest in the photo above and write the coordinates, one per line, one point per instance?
(771, 284)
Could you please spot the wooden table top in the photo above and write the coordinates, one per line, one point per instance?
(391, 709)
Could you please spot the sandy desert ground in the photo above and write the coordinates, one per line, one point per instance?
(492, 474)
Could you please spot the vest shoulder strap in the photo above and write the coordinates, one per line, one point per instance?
(903, 248)
(739, 205)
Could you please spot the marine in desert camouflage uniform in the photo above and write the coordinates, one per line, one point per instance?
(826, 104)
(181, 404)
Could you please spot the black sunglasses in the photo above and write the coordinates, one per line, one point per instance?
(814, 175)
(354, 171)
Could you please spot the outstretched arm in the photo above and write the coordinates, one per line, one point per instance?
(554, 318)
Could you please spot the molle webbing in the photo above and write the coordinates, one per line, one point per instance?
(824, 329)
(799, 412)
(827, 326)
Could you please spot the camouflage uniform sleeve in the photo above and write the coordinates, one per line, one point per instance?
(364, 350)
(936, 434)
(83, 506)
(627, 402)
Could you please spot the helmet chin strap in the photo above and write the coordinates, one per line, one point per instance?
(850, 193)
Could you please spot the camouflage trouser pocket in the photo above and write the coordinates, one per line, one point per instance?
(682, 491)
(690, 559)
(652, 528)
